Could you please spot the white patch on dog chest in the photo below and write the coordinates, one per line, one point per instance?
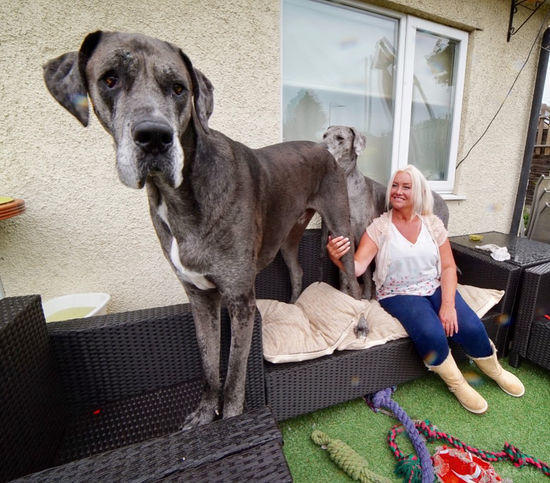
(197, 279)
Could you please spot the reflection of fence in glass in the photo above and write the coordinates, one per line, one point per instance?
(429, 147)
(309, 111)
(304, 117)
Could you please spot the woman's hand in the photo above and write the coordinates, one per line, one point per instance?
(337, 247)
(447, 315)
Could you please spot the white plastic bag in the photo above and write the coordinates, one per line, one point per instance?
(498, 253)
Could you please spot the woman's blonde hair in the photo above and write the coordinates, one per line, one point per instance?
(422, 198)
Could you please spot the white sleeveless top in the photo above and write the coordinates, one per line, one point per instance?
(413, 266)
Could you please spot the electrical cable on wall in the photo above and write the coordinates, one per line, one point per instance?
(508, 93)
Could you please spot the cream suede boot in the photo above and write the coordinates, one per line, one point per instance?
(509, 383)
(466, 394)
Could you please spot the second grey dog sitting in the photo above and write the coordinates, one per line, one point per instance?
(367, 198)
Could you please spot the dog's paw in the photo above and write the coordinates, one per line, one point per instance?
(231, 410)
(204, 414)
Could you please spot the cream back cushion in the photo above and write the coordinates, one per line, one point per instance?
(323, 320)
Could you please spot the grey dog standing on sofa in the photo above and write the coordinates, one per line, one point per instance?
(220, 209)
(367, 198)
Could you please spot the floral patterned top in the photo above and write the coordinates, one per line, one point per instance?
(413, 266)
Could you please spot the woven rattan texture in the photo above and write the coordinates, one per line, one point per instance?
(302, 387)
(523, 251)
(263, 463)
(121, 355)
(482, 271)
(177, 452)
(31, 413)
(121, 423)
(126, 378)
(273, 282)
(538, 350)
(534, 302)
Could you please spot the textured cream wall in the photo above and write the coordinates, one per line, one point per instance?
(84, 231)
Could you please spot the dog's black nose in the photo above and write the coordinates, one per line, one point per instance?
(153, 136)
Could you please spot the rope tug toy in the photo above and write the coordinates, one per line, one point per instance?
(409, 467)
(431, 433)
(347, 459)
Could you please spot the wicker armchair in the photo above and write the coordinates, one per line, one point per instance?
(532, 331)
(103, 398)
(302, 387)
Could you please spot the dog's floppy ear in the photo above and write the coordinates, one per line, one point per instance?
(359, 141)
(203, 94)
(63, 80)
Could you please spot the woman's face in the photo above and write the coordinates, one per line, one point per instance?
(401, 191)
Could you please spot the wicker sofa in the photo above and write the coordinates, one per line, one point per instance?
(102, 399)
(302, 387)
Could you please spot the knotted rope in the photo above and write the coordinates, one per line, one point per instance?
(407, 467)
(431, 433)
(347, 459)
(509, 452)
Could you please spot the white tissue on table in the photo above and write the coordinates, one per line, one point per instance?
(498, 253)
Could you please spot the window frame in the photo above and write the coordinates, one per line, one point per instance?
(403, 83)
(414, 24)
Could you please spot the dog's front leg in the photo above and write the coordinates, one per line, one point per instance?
(368, 285)
(241, 310)
(205, 305)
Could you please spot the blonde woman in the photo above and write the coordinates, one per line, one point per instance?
(415, 280)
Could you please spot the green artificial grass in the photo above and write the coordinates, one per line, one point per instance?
(523, 422)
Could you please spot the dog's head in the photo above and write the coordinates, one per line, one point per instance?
(345, 144)
(145, 93)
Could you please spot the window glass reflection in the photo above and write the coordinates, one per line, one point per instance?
(338, 68)
(432, 104)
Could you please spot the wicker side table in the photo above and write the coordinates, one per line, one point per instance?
(532, 332)
(479, 269)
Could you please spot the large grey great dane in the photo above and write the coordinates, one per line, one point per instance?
(367, 198)
(220, 209)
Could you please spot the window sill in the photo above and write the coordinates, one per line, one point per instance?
(452, 197)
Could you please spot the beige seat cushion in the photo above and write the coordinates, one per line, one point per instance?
(480, 300)
(323, 320)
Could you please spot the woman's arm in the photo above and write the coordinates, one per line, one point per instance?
(366, 251)
(447, 312)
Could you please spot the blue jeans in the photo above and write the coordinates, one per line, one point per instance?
(419, 316)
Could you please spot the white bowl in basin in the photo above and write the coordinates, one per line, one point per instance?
(74, 306)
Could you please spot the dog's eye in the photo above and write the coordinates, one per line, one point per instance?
(110, 80)
(339, 138)
(178, 89)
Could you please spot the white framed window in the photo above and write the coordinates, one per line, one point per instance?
(396, 78)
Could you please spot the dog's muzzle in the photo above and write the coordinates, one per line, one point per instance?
(150, 148)
(153, 137)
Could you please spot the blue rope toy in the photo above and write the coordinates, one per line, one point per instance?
(407, 468)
